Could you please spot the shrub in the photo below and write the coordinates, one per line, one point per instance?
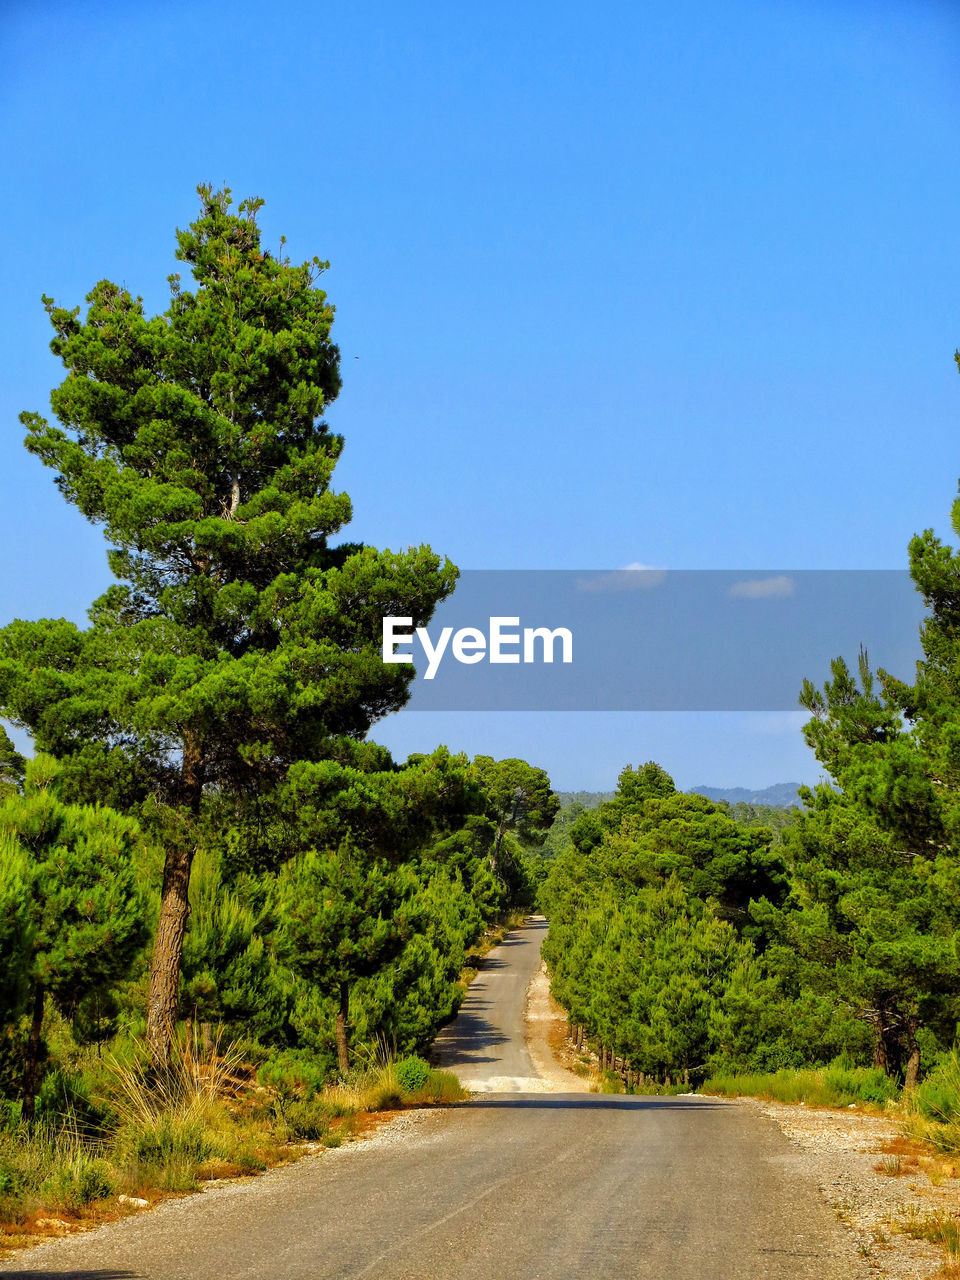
(938, 1096)
(165, 1139)
(291, 1075)
(412, 1073)
(934, 1106)
(442, 1086)
(306, 1118)
(79, 1180)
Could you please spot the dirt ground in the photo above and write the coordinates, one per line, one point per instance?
(546, 1028)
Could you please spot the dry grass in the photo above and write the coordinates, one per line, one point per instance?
(201, 1118)
(940, 1229)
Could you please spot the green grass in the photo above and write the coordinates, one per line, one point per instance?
(835, 1086)
(933, 1108)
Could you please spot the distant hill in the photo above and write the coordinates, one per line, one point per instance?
(782, 795)
(589, 799)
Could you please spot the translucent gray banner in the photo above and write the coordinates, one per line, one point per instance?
(653, 640)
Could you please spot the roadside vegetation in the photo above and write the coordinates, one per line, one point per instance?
(813, 959)
(207, 846)
(130, 1135)
(838, 1085)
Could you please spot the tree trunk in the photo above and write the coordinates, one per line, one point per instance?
(880, 1059)
(343, 1013)
(912, 1073)
(31, 1066)
(164, 994)
(167, 952)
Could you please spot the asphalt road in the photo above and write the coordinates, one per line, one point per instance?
(512, 1186)
(485, 1044)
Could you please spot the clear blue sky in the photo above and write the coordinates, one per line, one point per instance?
(668, 282)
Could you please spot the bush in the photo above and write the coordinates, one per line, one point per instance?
(938, 1096)
(166, 1139)
(79, 1180)
(292, 1075)
(412, 1073)
(306, 1118)
(440, 1087)
(934, 1106)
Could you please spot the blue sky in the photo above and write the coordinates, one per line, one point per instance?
(671, 283)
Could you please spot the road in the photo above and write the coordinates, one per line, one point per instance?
(519, 1184)
(487, 1045)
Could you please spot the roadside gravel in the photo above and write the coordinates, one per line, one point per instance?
(841, 1150)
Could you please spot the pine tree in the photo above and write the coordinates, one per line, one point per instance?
(237, 640)
(874, 916)
(78, 875)
(12, 764)
(519, 799)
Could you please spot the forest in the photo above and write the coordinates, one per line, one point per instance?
(207, 848)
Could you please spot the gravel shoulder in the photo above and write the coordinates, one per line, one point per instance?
(876, 1181)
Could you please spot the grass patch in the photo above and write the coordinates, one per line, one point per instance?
(835, 1086)
(204, 1117)
(940, 1229)
(933, 1108)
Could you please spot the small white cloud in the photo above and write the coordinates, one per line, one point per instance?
(763, 588)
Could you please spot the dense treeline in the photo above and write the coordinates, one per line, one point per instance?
(381, 883)
(687, 941)
(652, 941)
(206, 833)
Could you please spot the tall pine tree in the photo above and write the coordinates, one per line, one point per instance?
(236, 640)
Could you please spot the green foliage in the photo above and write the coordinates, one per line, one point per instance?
(71, 916)
(937, 1097)
(521, 803)
(773, 818)
(79, 1180)
(291, 1074)
(16, 928)
(12, 764)
(650, 933)
(230, 972)
(837, 1085)
(237, 640)
(412, 1073)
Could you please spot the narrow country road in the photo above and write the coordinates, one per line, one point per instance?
(519, 1184)
(487, 1045)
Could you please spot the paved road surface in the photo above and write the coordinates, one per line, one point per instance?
(485, 1045)
(513, 1186)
